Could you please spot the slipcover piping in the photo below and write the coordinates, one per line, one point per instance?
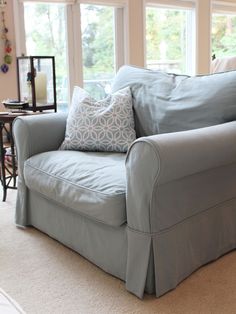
(67, 181)
(165, 230)
(91, 218)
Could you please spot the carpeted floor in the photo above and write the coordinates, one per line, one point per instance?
(44, 277)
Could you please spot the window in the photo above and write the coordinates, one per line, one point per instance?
(87, 41)
(98, 48)
(171, 35)
(169, 39)
(45, 34)
(223, 35)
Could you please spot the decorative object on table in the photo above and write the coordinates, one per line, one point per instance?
(37, 82)
(7, 58)
(15, 105)
(9, 159)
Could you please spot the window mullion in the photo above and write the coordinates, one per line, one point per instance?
(190, 43)
(203, 36)
(74, 47)
(18, 8)
(135, 21)
(119, 37)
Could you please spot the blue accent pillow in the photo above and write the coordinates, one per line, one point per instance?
(105, 125)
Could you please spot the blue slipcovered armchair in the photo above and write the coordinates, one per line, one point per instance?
(154, 215)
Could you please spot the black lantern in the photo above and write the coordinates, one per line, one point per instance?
(37, 82)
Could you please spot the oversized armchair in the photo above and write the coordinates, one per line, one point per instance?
(172, 198)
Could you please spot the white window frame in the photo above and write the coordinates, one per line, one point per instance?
(181, 4)
(132, 26)
(18, 9)
(74, 39)
(190, 40)
(224, 7)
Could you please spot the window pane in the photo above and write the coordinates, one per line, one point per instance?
(223, 35)
(168, 39)
(98, 42)
(45, 27)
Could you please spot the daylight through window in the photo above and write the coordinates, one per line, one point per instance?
(45, 28)
(169, 39)
(223, 35)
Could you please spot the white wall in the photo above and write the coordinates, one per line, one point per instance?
(8, 81)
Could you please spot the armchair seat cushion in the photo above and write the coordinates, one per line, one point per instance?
(91, 184)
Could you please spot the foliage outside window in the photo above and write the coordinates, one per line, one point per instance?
(45, 28)
(166, 39)
(223, 35)
(98, 47)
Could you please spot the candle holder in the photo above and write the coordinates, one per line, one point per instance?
(36, 80)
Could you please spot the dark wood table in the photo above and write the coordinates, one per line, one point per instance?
(8, 171)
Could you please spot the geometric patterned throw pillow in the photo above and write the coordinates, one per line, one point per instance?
(105, 125)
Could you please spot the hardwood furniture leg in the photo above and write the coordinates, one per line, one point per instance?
(2, 161)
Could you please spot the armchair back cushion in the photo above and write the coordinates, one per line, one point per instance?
(165, 103)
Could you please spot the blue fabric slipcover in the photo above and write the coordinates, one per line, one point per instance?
(98, 192)
(155, 217)
(165, 103)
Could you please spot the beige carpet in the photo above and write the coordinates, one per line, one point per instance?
(45, 277)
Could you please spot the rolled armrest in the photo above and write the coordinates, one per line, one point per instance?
(33, 135)
(38, 133)
(173, 176)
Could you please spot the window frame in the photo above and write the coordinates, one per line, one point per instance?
(222, 7)
(181, 4)
(190, 38)
(73, 34)
(133, 25)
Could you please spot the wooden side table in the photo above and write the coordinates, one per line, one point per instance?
(8, 173)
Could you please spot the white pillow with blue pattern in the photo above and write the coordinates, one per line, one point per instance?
(105, 125)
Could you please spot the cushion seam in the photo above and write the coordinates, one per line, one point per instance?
(79, 212)
(71, 183)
